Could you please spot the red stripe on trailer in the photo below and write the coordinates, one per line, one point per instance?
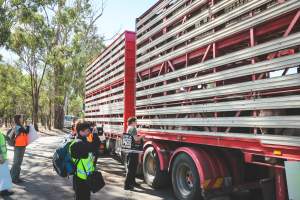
(129, 79)
(253, 145)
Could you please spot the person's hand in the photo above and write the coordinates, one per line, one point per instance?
(138, 139)
(1, 159)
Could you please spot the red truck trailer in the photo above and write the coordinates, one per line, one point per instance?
(110, 83)
(217, 96)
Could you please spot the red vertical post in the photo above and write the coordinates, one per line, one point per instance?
(129, 77)
(281, 190)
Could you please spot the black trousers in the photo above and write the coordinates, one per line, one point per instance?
(81, 188)
(132, 167)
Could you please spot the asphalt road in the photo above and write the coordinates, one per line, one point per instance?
(42, 183)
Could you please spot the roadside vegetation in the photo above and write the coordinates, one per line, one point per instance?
(53, 40)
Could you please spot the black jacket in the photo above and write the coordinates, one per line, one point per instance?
(81, 148)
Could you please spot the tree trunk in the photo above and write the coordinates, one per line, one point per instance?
(59, 113)
(50, 115)
(35, 116)
(59, 116)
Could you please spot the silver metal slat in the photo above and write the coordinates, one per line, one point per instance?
(202, 29)
(106, 51)
(107, 112)
(95, 106)
(106, 119)
(206, 27)
(243, 25)
(119, 63)
(121, 68)
(108, 63)
(120, 49)
(258, 85)
(253, 104)
(113, 128)
(118, 89)
(119, 96)
(171, 20)
(250, 52)
(153, 12)
(110, 109)
(258, 122)
(163, 15)
(190, 22)
(265, 66)
(108, 82)
(95, 103)
(265, 139)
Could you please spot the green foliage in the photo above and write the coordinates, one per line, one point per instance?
(5, 25)
(14, 94)
(54, 40)
(75, 106)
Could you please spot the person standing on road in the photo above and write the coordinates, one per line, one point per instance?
(82, 153)
(73, 128)
(130, 182)
(21, 142)
(5, 178)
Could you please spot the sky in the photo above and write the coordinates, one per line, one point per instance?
(118, 16)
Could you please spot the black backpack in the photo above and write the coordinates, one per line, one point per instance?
(11, 137)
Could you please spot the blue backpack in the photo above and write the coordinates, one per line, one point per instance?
(62, 161)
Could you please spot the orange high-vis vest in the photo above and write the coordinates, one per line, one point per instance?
(21, 140)
(90, 137)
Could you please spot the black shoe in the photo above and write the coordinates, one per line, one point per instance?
(128, 187)
(17, 181)
(135, 184)
(6, 193)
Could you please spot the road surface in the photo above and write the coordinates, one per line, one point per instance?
(42, 183)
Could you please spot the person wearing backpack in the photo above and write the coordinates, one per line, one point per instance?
(82, 153)
(21, 141)
(5, 179)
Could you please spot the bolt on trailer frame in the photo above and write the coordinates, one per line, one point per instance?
(110, 82)
(222, 73)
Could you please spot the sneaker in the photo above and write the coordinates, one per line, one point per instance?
(6, 193)
(128, 187)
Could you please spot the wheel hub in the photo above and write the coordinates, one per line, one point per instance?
(151, 165)
(185, 180)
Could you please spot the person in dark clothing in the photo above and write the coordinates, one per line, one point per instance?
(130, 182)
(21, 142)
(83, 153)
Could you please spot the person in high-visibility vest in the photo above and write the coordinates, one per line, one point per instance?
(5, 181)
(82, 153)
(20, 146)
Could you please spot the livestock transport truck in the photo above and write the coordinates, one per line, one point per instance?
(215, 86)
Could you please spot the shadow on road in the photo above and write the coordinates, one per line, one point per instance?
(42, 183)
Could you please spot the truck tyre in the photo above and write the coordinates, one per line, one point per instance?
(153, 176)
(185, 178)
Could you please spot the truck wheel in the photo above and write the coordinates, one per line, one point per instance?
(153, 176)
(185, 178)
